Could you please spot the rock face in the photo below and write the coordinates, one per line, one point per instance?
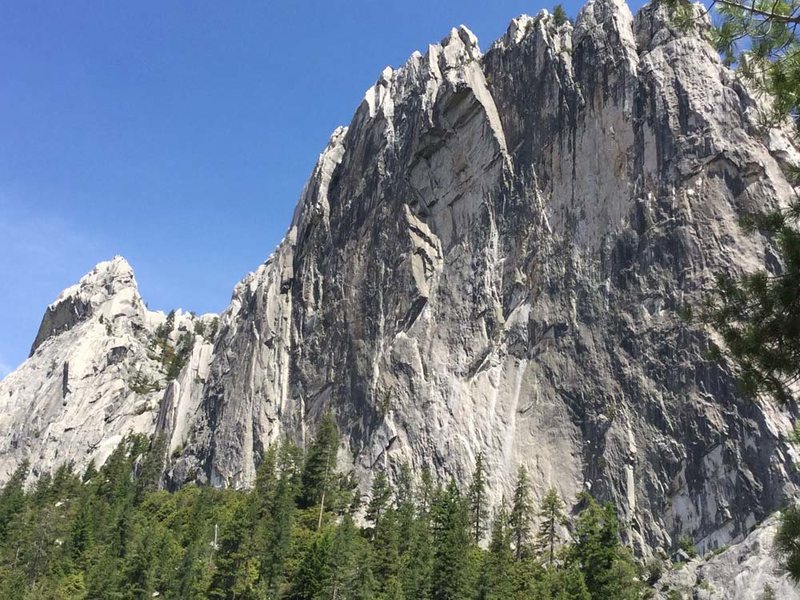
(745, 571)
(94, 375)
(490, 258)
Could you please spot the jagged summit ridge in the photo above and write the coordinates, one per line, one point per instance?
(491, 258)
(96, 372)
(446, 144)
(109, 279)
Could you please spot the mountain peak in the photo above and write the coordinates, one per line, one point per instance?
(110, 283)
(489, 261)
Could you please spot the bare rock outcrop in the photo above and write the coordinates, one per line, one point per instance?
(491, 258)
(95, 374)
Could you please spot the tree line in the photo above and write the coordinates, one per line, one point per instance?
(302, 532)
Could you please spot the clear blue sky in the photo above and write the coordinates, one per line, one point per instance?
(179, 134)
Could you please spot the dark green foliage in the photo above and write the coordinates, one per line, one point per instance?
(559, 15)
(150, 468)
(208, 332)
(478, 508)
(173, 357)
(320, 464)
(551, 519)
(521, 517)
(569, 584)
(451, 539)
(787, 542)
(12, 499)
(113, 534)
(496, 580)
(379, 498)
(606, 565)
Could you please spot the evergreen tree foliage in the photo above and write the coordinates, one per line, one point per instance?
(12, 499)
(417, 560)
(559, 15)
(477, 500)
(405, 501)
(787, 542)
(114, 535)
(379, 498)
(151, 467)
(314, 574)
(521, 517)
(320, 464)
(551, 519)
(606, 565)
(496, 580)
(386, 555)
(567, 584)
(452, 538)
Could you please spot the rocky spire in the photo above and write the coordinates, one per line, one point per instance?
(109, 289)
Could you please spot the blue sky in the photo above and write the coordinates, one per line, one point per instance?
(179, 134)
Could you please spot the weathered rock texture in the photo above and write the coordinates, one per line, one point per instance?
(94, 375)
(745, 571)
(490, 258)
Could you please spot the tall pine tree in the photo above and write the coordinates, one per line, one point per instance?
(319, 470)
(451, 540)
(521, 517)
(551, 519)
(607, 566)
(477, 499)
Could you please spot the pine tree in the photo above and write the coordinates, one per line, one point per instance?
(452, 538)
(496, 581)
(282, 505)
(559, 15)
(266, 480)
(12, 499)
(320, 466)
(417, 560)
(565, 584)
(352, 575)
(379, 498)
(477, 500)
(151, 467)
(404, 499)
(314, 575)
(82, 531)
(521, 517)
(232, 551)
(426, 491)
(552, 517)
(90, 472)
(787, 542)
(608, 568)
(386, 554)
(196, 571)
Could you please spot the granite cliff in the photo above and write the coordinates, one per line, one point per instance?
(491, 257)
